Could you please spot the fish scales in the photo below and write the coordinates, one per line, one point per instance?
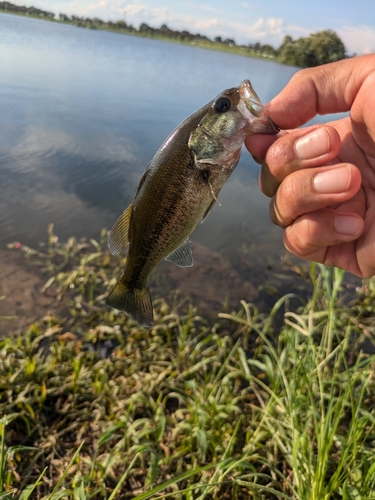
(164, 199)
(178, 189)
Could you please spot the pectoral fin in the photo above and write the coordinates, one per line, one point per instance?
(182, 256)
(208, 210)
(118, 238)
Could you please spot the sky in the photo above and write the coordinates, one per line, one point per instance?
(266, 21)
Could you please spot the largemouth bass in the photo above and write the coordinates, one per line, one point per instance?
(178, 190)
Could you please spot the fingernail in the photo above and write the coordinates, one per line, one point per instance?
(312, 145)
(336, 180)
(347, 224)
(256, 159)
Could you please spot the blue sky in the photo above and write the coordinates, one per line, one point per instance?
(267, 21)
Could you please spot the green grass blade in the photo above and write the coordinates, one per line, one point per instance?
(31, 487)
(174, 480)
(53, 496)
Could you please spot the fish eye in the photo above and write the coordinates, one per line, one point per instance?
(223, 104)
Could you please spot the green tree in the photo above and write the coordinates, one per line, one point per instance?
(304, 53)
(318, 48)
(327, 47)
(287, 51)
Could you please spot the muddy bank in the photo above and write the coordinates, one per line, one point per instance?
(20, 285)
(211, 285)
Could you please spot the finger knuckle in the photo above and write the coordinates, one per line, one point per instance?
(290, 198)
(267, 183)
(276, 215)
(299, 238)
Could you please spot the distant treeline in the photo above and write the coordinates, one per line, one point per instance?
(318, 48)
(32, 11)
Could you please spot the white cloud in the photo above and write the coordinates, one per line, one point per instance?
(264, 27)
(211, 26)
(210, 21)
(206, 8)
(360, 39)
(265, 30)
(250, 5)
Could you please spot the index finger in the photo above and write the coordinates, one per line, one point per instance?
(330, 88)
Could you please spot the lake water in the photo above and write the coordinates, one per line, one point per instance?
(83, 111)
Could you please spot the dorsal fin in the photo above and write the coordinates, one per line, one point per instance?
(118, 238)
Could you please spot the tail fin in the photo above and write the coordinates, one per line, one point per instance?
(137, 303)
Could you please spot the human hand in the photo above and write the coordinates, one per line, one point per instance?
(321, 179)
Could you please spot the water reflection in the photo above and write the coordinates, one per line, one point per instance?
(83, 112)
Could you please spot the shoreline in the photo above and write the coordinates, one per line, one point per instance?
(41, 283)
(238, 50)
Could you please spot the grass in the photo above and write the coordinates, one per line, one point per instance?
(94, 407)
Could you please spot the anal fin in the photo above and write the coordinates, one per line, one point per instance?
(182, 256)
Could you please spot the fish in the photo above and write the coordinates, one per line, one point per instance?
(178, 190)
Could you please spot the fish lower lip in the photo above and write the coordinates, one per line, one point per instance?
(274, 129)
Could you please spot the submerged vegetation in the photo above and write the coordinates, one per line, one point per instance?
(318, 48)
(94, 407)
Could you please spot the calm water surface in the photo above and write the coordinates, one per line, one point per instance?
(81, 114)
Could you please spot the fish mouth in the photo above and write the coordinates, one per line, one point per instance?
(250, 98)
(261, 122)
